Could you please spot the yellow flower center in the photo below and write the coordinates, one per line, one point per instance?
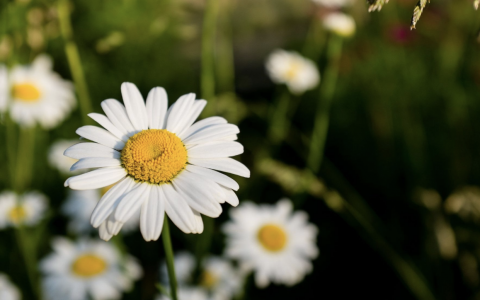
(293, 70)
(208, 280)
(154, 156)
(26, 92)
(88, 265)
(272, 237)
(17, 214)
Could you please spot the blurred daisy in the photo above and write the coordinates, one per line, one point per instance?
(271, 240)
(38, 95)
(160, 162)
(87, 269)
(80, 205)
(57, 159)
(187, 293)
(333, 3)
(3, 88)
(297, 72)
(340, 24)
(8, 291)
(27, 209)
(184, 266)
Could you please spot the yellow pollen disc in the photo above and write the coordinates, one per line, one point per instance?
(208, 280)
(293, 70)
(272, 237)
(88, 265)
(17, 214)
(154, 156)
(26, 92)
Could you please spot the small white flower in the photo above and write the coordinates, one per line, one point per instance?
(160, 162)
(187, 293)
(57, 159)
(273, 241)
(80, 205)
(334, 3)
(340, 24)
(297, 72)
(8, 291)
(87, 269)
(27, 209)
(184, 264)
(36, 94)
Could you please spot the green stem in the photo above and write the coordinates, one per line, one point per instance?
(11, 143)
(167, 245)
(29, 258)
(74, 60)
(208, 56)
(279, 120)
(25, 150)
(327, 91)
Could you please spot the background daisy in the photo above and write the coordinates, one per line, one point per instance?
(57, 160)
(28, 208)
(340, 24)
(8, 291)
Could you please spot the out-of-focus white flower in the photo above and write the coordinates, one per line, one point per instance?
(297, 72)
(187, 293)
(334, 3)
(58, 160)
(8, 291)
(160, 162)
(27, 209)
(273, 241)
(340, 24)
(39, 95)
(184, 266)
(87, 269)
(80, 205)
(465, 202)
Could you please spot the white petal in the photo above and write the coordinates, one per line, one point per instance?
(232, 198)
(198, 222)
(211, 133)
(201, 124)
(157, 103)
(109, 201)
(105, 122)
(201, 194)
(96, 179)
(95, 162)
(103, 232)
(177, 209)
(152, 215)
(113, 226)
(195, 111)
(214, 176)
(215, 150)
(228, 165)
(100, 136)
(135, 106)
(179, 110)
(131, 202)
(82, 150)
(117, 114)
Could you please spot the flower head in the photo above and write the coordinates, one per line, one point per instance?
(340, 24)
(273, 241)
(334, 3)
(297, 72)
(27, 209)
(8, 291)
(159, 161)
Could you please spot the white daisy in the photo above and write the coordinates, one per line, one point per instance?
(8, 291)
(57, 159)
(87, 269)
(27, 209)
(184, 263)
(297, 72)
(273, 241)
(160, 162)
(334, 3)
(340, 24)
(80, 205)
(39, 95)
(187, 293)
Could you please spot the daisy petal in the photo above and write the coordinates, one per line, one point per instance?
(198, 222)
(211, 133)
(117, 114)
(179, 110)
(157, 102)
(96, 179)
(131, 202)
(113, 226)
(214, 176)
(232, 198)
(195, 111)
(103, 232)
(95, 162)
(216, 150)
(100, 136)
(82, 150)
(201, 124)
(152, 214)
(177, 209)
(228, 165)
(135, 106)
(105, 122)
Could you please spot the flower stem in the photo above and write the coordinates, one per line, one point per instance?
(28, 253)
(208, 56)
(279, 121)
(74, 61)
(25, 150)
(327, 91)
(167, 245)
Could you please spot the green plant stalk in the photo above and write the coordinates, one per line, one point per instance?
(11, 143)
(322, 116)
(226, 63)
(29, 258)
(208, 56)
(169, 258)
(74, 60)
(279, 120)
(24, 161)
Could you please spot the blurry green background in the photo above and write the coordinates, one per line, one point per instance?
(404, 124)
